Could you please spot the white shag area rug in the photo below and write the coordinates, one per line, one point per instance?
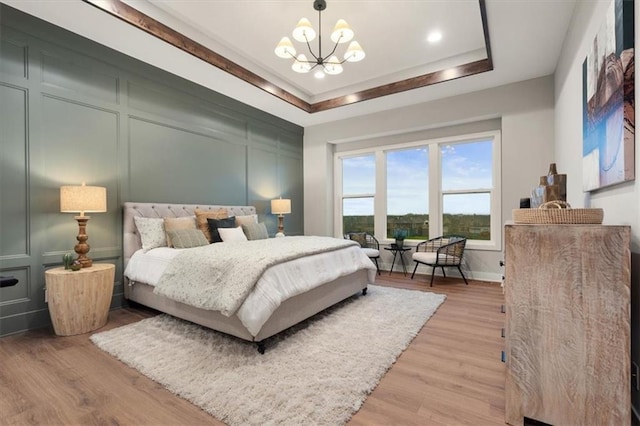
(317, 373)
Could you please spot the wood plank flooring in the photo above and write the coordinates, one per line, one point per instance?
(451, 374)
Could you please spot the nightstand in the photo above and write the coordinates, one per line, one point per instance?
(79, 301)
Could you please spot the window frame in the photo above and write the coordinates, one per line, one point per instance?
(436, 194)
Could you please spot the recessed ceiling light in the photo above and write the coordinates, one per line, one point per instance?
(434, 37)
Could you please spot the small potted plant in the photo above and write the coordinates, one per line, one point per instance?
(400, 235)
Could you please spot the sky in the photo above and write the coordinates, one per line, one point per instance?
(464, 166)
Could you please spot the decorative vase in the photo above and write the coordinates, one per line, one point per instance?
(557, 184)
(399, 243)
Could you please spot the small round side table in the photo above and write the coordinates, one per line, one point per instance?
(79, 301)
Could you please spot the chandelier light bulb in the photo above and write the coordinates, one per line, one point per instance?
(319, 74)
(300, 65)
(304, 32)
(285, 49)
(354, 52)
(342, 33)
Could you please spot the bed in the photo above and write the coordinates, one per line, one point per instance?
(294, 309)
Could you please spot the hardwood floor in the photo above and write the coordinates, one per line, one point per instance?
(451, 374)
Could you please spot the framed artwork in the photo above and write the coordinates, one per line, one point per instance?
(608, 126)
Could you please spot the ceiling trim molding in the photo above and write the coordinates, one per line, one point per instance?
(157, 29)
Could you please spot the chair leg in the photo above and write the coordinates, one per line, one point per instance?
(414, 270)
(443, 273)
(433, 271)
(375, 260)
(463, 277)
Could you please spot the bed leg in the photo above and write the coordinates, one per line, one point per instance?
(260, 347)
(364, 291)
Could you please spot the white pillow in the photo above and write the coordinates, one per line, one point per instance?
(151, 231)
(246, 220)
(232, 234)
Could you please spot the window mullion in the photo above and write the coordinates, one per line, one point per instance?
(337, 190)
(380, 200)
(435, 194)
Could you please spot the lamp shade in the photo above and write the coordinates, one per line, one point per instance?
(83, 199)
(354, 52)
(342, 33)
(333, 66)
(303, 32)
(281, 206)
(285, 49)
(300, 65)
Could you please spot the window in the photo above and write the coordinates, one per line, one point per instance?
(467, 182)
(358, 192)
(428, 188)
(408, 192)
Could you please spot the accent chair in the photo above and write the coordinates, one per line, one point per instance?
(368, 243)
(441, 252)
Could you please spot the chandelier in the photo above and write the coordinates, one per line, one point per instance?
(304, 33)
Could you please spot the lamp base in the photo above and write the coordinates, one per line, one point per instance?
(85, 261)
(82, 248)
(281, 224)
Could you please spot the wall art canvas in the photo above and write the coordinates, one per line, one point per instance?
(608, 101)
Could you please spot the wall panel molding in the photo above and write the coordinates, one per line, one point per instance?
(88, 113)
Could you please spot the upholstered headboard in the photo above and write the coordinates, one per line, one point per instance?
(131, 239)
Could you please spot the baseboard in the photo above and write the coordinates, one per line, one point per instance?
(24, 321)
(33, 320)
(472, 275)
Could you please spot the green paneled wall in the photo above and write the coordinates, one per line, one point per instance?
(72, 111)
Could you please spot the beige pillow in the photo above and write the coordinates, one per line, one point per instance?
(203, 215)
(175, 223)
(246, 220)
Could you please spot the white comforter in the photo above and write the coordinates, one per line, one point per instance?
(277, 284)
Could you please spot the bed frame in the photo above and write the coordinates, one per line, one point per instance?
(289, 313)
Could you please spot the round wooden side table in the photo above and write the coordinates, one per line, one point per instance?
(79, 301)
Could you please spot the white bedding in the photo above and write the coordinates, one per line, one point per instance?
(277, 284)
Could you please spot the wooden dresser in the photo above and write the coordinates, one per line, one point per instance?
(567, 291)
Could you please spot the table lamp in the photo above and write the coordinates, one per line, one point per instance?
(280, 207)
(83, 199)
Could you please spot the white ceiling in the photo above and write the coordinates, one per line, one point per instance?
(393, 34)
(526, 37)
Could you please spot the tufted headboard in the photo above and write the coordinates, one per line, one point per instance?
(131, 239)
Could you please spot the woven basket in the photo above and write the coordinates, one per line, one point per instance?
(558, 212)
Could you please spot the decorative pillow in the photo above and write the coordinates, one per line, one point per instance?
(187, 238)
(246, 220)
(214, 224)
(232, 234)
(255, 231)
(151, 231)
(203, 215)
(360, 238)
(175, 223)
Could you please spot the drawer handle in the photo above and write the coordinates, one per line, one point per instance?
(8, 281)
